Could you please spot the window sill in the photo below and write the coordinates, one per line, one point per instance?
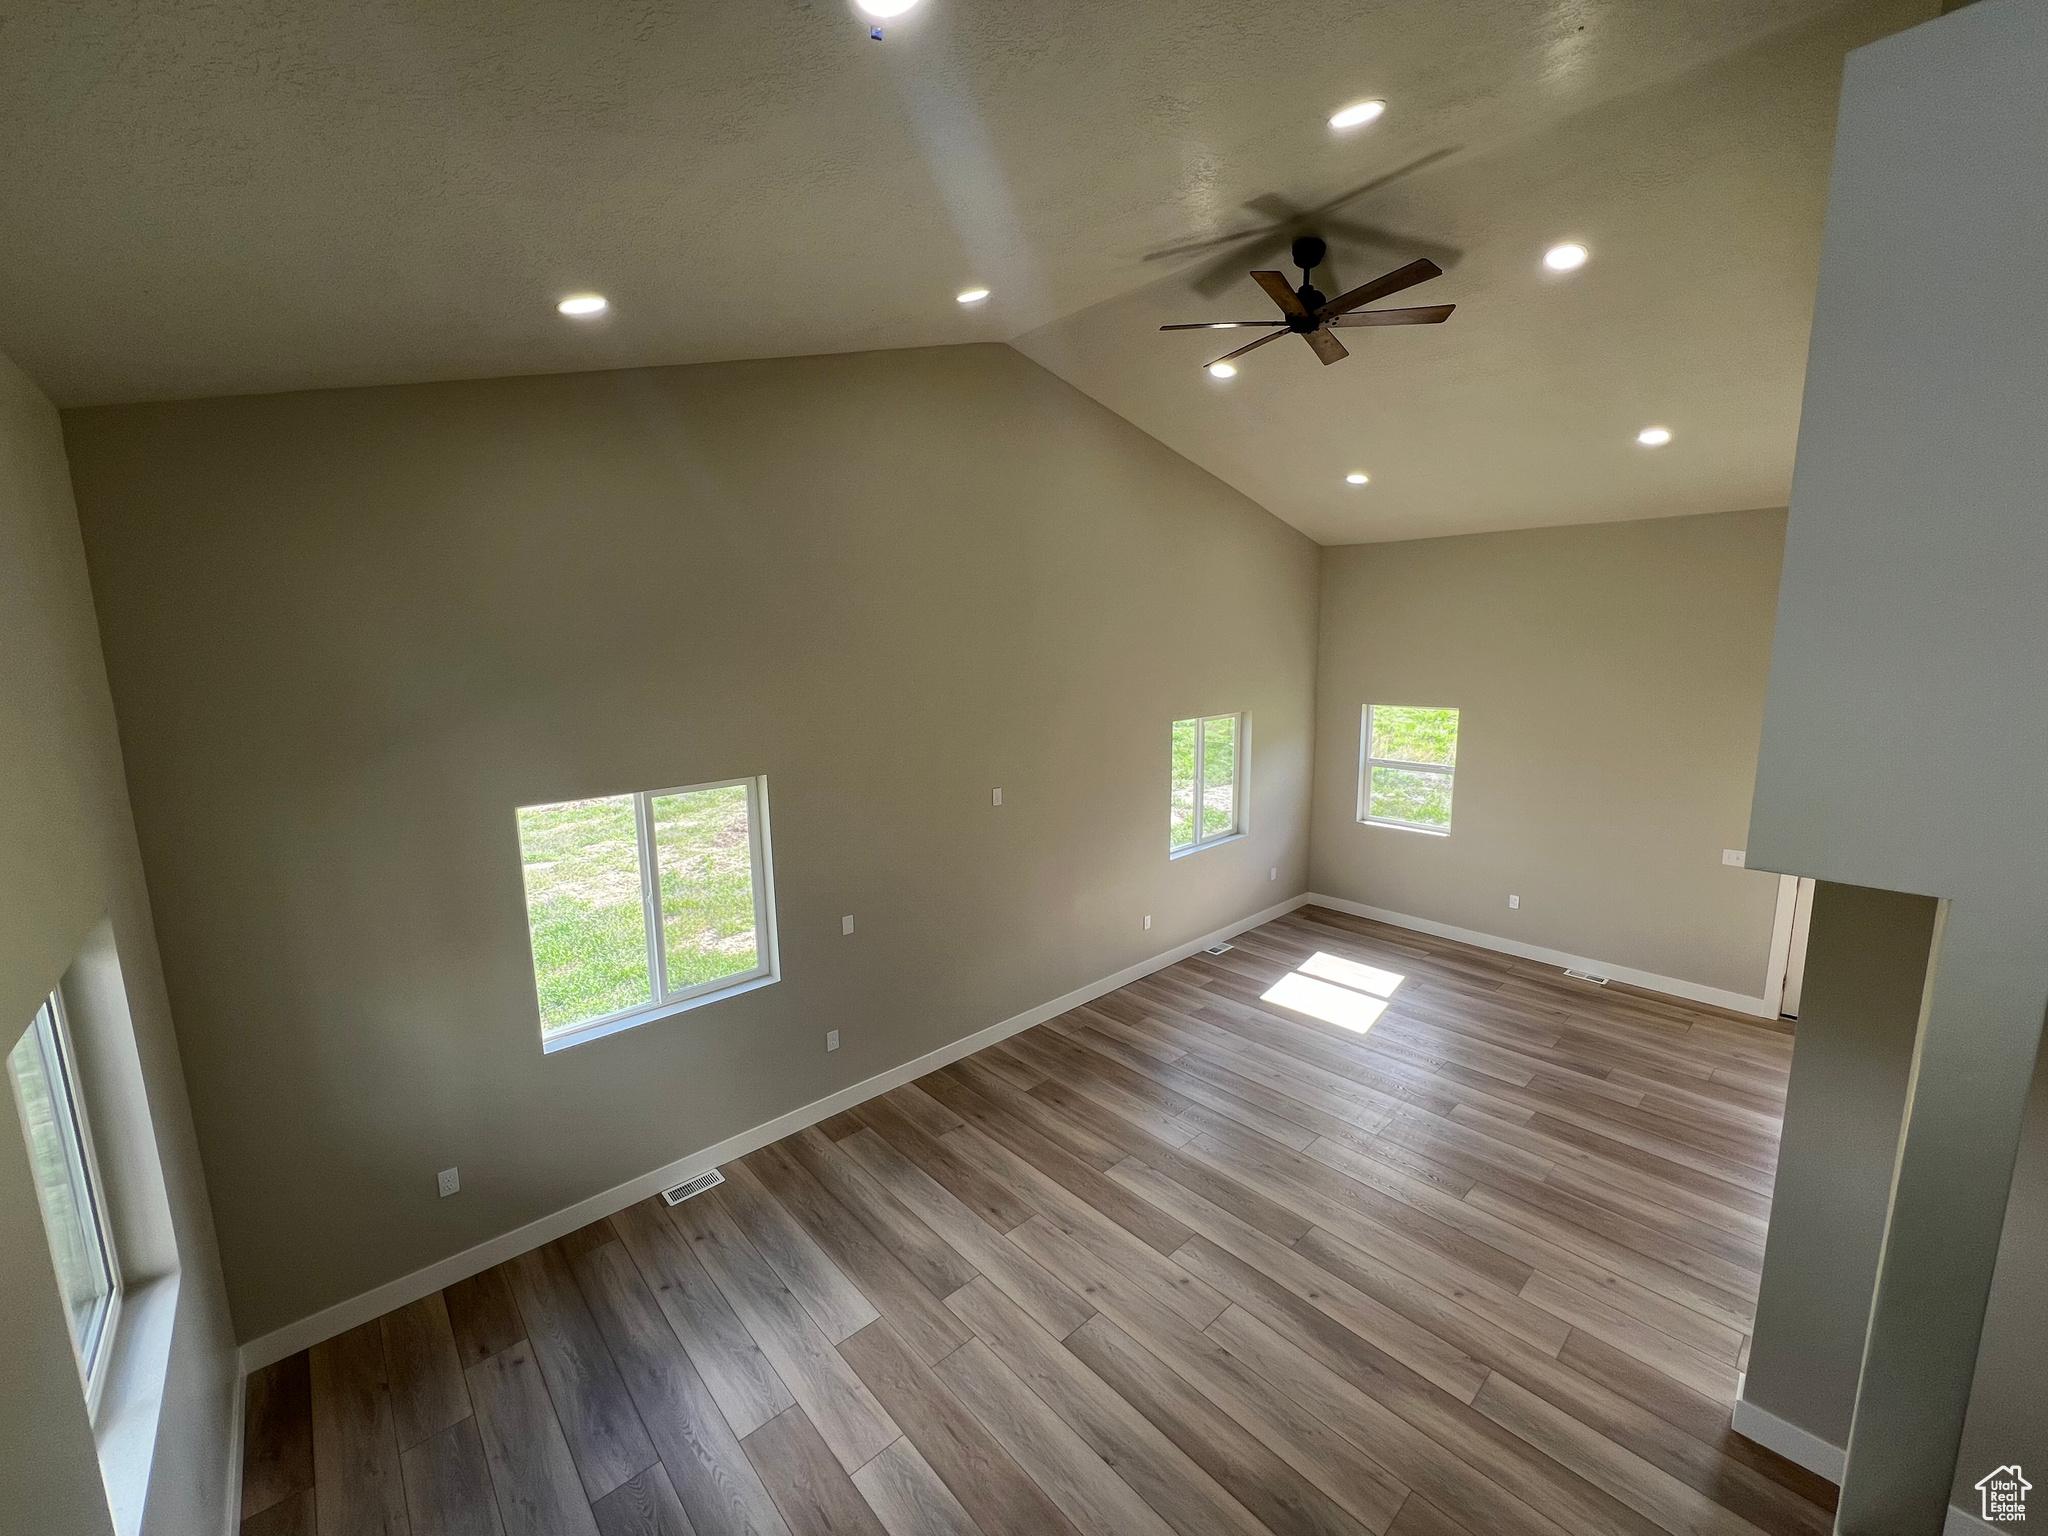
(562, 1039)
(1204, 847)
(132, 1397)
(1404, 826)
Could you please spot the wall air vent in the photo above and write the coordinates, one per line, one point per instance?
(1598, 981)
(1219, 949)
(681, 1192)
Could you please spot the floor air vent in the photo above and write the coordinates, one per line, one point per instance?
(1598, 981)
(681, 1192)
(1219, 949)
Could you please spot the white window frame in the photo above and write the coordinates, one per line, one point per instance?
(93, 1355)
(1367, 762)
(667, 1003)
(1238, 808)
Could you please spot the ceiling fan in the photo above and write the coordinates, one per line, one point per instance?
(1307, 314)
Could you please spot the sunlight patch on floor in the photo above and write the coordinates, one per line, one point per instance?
(1351, 973)
(1335, 990)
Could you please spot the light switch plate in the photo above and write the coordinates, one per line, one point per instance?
(831, 1039)
(846, 923)
(999, 797)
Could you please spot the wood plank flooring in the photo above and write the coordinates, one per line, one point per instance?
(1184, 1260)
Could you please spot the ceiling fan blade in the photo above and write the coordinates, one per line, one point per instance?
(1281, 292)
(1418, 271)
(1249, 346)
(1434, 314)
(1327, 347)
(1220, 325)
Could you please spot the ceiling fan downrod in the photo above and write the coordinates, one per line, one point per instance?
(1308, 254)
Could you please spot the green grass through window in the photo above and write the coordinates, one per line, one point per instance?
(1205, 770)
(707, 884)
(1411, 734)
(583, 905)
(586, 911)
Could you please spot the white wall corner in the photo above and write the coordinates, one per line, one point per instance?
(344, 1315)
(1649, 981)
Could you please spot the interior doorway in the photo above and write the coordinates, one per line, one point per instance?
(1788, 944)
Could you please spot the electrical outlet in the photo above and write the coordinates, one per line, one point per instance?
(1734, 856)
(450, 1181)
(999, 797)
(1148, 922)
(1514, 901)
(831, 1039)
(846, 923)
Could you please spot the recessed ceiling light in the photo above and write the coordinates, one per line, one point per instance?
(1223, 370)
(972, 295)
(883, 10)
(1568, 257)
(1654, 437)
(583, 305)
(1355, 114)
(1357, 477)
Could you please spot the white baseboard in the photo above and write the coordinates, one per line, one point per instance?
(344, 1315)
(1826, 1458)
(1670, 986)
(1789, 1440)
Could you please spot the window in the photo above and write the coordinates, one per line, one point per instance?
(67, 1187)
(1410, 757)
(1207, 803)
(642, 905)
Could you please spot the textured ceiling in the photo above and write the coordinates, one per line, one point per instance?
(1701, 199)
(206, 197)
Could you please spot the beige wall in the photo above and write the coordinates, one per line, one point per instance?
(68, 870)
(1611, 682)
(349, 632)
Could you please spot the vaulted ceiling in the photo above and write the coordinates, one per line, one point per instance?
(256, 195)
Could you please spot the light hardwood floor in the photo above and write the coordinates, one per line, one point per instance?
(1182, 1260)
